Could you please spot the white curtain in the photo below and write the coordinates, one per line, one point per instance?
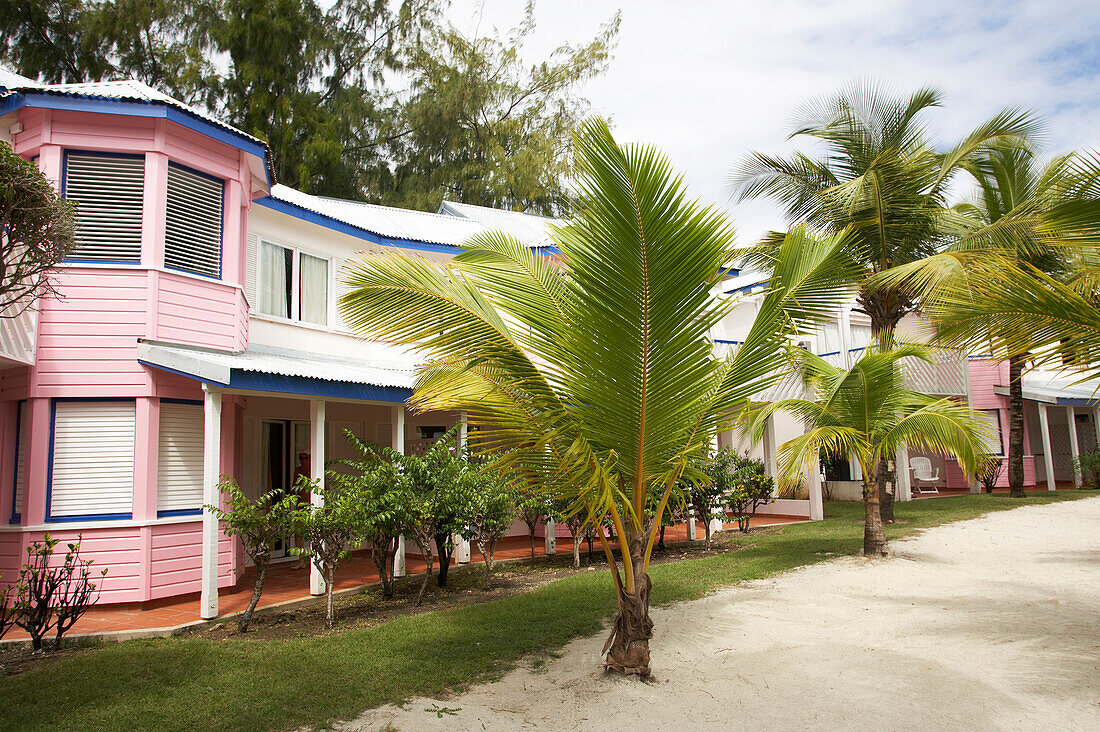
(313, 289)
(274, 280)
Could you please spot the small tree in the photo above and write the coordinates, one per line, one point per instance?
(48, 598)
(37, 231)
(378, 483)
(434, 477)
(561, 511)
(989, 472)
(531, 509)
(329, 529)
(7, 608)
(752, 487)
(489, 507)
(259, 524)
(705, 492)
(1088, 467)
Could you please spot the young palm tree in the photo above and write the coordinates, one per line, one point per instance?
(1017, 221)
(594, 375)
(866, 411)
(878, 175)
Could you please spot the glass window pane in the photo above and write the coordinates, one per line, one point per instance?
(313, 289)
(275, 278)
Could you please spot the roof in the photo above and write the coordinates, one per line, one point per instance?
(530, 228)
(294, 372)
(12, 85)
(1060, 388)
(397, 223)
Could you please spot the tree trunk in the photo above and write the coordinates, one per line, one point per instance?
(661, 543)
(588, 538)
(532, 530)
(427, 573)
(1016, 426)
(330, 583)
(874, 537)
(886, 497)
(444, 549)
(383, 560)
(627, 649)
(246, 616)
(576, 552)
(706, 530)
(487, 553)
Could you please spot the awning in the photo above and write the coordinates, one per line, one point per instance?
(284, 372)
(1061, 389)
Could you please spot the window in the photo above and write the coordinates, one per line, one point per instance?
(22, 438)
(293, 284)
(92, 460)
(193, 222)
(180, 459)
(992, 417)
(109, 191)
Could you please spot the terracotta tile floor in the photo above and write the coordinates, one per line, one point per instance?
(286, 582)
(945, 492)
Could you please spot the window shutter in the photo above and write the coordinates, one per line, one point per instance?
(93, 459)
(193, 224)
(179, 467)
(24, 437)
(251, 251)
(109, 192)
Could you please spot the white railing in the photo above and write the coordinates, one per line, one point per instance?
(943, 377)
(18, 335)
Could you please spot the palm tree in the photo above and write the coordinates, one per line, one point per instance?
(1019, 221)
(879, 176)
(594, 376)
(866, 411)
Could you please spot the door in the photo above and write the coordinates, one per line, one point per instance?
(276, 470)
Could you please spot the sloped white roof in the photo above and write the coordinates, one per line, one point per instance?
(217, 366)
(530, 228)
(397, 223)
(11, 80)
(1053, 387)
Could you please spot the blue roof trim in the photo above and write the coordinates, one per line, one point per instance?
(133, 108)
(343, 227)
(748, 288)
(256, 381)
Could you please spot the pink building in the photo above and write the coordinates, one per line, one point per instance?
(197, 335)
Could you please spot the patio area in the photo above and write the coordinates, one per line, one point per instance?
(289, 584)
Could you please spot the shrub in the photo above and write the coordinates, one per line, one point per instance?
(989, 471)
(53, 598)
(489, 505)
(751, 491)
(531, 510)
(259, 524)
(329, 529)
(1089, 466)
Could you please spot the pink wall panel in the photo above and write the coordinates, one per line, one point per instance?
(11, 556)
(119, 550)
(177, 560)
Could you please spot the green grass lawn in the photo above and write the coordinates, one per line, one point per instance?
(199, 684)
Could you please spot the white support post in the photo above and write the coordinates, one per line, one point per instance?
(904, 491)
(691, 529)
(845, 338)
(211, 464)
(1096, 425)
(1074, 448)
(769, 453)
(813, 484)
(397, 442)
(1048, 456)
(462, 546)
(550, 537)
(316, 473)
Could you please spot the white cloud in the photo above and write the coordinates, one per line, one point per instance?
(709, 81)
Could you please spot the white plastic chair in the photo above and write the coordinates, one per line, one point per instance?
(922, 473)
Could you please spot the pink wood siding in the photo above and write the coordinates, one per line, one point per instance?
(195, 312)
(119, 550)
(11, 555)
(177, 560)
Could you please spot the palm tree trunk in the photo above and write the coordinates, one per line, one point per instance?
(627, 649)
(874, 537)
(1016, 426)
(246, 616)
(886, 497)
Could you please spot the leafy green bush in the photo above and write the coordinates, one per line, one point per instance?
(1089, 466)
(750, 486)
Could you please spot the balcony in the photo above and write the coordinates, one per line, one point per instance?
(18, 335)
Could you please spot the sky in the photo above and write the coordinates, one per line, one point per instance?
(707, 82)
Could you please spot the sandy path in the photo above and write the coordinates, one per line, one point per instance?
(986, 624)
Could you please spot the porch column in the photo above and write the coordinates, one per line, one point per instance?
(397, 442)
(813, 484)
(691, 528)
(769, 451)
(211, 463)
(716, 524)
(316, 473)
(550, 538)
(1048, 457)
(1096, 425)
(462, 546)
(1074, 450)
(903, 485)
